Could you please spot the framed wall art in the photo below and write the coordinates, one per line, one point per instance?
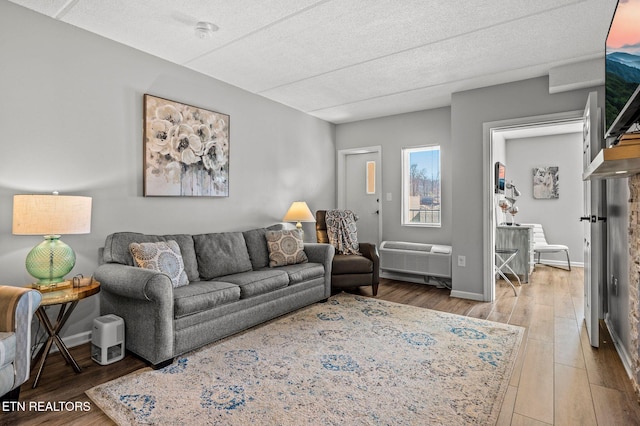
(545, 182)
(186, 150)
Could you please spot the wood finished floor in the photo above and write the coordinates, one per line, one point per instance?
(559, 379)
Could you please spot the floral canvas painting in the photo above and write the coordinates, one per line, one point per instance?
(545, 182)
(186, 150)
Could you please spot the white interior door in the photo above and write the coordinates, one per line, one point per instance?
(593, 252)
(362, 193)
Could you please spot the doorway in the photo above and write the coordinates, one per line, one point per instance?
(359, 189)
(495, 136)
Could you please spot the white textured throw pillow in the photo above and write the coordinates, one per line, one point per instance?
(285, 248)
(163, 256)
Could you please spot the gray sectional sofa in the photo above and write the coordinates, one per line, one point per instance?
(231, 288)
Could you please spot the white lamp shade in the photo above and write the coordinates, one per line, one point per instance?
(299, 212)
(51, 214)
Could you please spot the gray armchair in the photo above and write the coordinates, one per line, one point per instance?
(17, 306)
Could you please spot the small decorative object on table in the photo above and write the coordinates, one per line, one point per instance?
(82, 281)
(504, 206)
(513, 209)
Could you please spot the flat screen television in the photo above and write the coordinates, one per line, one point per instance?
(623, 69)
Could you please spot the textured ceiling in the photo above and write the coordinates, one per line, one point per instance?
(347, 60)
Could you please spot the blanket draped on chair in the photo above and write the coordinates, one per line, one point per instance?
(341, 230)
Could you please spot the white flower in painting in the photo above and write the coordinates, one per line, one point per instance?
(169, 113)
(223, 143)
(209, 155)
(203, 132)
(219, 180)
(221, 157)
(219, 127)
(196, 115)
(207, 119)
(172, 172)
(158, 136)
(214, 157)
(186, 112)
(187, 146)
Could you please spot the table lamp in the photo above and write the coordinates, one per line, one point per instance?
(51, 216)
(299, 212)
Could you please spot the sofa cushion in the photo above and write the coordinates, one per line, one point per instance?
(220, 254)
(116, 249)
(285, 248)
(257, 247)
(163, 256)
(303, 272)
(203, 295)
(254, 283)
(351, 264)
(7, 347)
(7, 378)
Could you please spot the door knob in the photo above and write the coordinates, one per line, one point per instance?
(583, 218)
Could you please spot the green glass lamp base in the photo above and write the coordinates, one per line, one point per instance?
(50, 260)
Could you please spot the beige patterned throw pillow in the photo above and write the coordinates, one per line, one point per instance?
(285, 248)
(163, 256)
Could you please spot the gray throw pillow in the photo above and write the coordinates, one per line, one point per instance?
(285, 248)
(162, 256)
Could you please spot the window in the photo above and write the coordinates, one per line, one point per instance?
(421, 186)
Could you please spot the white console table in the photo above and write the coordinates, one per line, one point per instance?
(521, 238)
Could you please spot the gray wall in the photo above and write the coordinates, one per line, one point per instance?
(71, 120)
(558, 217)
(469, 110)
(394, 133)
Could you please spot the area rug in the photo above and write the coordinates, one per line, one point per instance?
(352, 360)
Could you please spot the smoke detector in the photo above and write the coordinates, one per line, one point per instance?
(205, 29)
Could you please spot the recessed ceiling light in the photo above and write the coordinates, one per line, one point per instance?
(205, 29)
(621, 172)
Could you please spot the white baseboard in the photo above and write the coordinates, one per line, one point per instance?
(622, 351)
(427, 281)
(70, 341)
(77, 339)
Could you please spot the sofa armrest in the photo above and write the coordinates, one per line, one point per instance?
(17, 306)
(322, 253)
(134, 282)
(144, 300)
(370, 251)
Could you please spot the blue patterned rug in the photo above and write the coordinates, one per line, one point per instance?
(352, 360)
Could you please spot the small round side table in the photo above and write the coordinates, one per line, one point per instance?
(68, 298)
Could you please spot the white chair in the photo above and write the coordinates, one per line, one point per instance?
(541, 245)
